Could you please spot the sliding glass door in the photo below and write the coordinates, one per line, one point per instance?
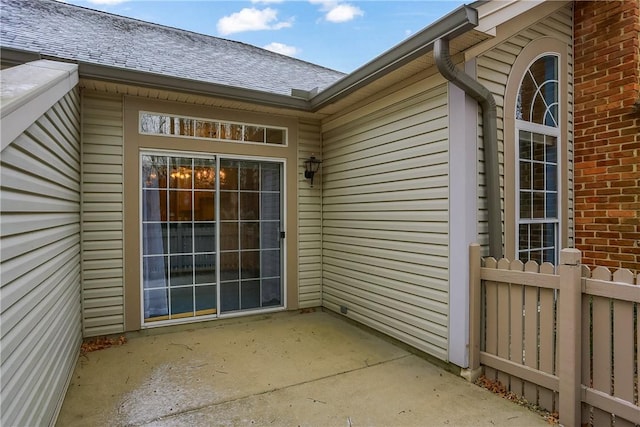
(211, 236)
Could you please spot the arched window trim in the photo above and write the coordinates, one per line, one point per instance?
(545, 250)
(532, 52)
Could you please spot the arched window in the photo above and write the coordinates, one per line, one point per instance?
(537, 168)
(537, 171)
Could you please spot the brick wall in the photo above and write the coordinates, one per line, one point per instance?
(607, 132)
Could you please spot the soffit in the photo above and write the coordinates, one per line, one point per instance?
(492, 14)
(190, 98)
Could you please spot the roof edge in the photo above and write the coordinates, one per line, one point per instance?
(17, 56)
(458, 22)
(155, 81)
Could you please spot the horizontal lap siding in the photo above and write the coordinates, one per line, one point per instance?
(102, 215)
(40, 283)
(493, 68)
(309, 226)
(385, 215)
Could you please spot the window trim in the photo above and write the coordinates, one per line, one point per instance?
(529, 54)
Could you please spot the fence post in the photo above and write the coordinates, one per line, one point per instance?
(474, 370)
(569, 328)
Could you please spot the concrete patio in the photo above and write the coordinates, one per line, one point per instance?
(312, 369)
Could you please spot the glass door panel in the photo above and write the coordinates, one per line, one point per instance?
(250, 235)
(178, 237)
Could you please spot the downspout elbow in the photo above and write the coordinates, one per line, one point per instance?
(490, 138)
(461, 79)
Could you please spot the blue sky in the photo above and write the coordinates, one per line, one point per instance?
(342, 35)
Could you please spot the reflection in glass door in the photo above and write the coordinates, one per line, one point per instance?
(178, 237)
(250, 252)
(180, 256)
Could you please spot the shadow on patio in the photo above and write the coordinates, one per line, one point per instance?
(311, 369)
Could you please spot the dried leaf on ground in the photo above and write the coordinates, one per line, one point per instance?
(553, 418)
(498, 388)
(100, 343)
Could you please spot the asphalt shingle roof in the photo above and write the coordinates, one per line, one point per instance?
(55, 29)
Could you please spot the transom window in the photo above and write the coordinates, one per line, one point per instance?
(170, 125)
(537, 132)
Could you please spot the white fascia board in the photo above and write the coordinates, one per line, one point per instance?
(497, 12)
(28, 91)
(504, 19)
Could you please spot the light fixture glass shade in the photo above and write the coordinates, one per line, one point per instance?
(311, 166)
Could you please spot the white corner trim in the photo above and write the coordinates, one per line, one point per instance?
(463, 130)
(27, 91)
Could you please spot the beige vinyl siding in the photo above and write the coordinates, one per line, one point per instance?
(102, 215)
(309, 219)
(385, 214)
(40, 283)
(493, 68)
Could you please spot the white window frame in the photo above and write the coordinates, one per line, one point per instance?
(550, 131)
(556, 132)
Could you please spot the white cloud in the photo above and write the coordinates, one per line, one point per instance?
(251, 20)
(266, 1)
(326, 4)
(282, 49)
(343, 13)
(337, 11)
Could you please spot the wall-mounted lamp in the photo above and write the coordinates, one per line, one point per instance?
(311, 166)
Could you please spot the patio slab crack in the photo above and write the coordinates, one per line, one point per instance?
(367, 365)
